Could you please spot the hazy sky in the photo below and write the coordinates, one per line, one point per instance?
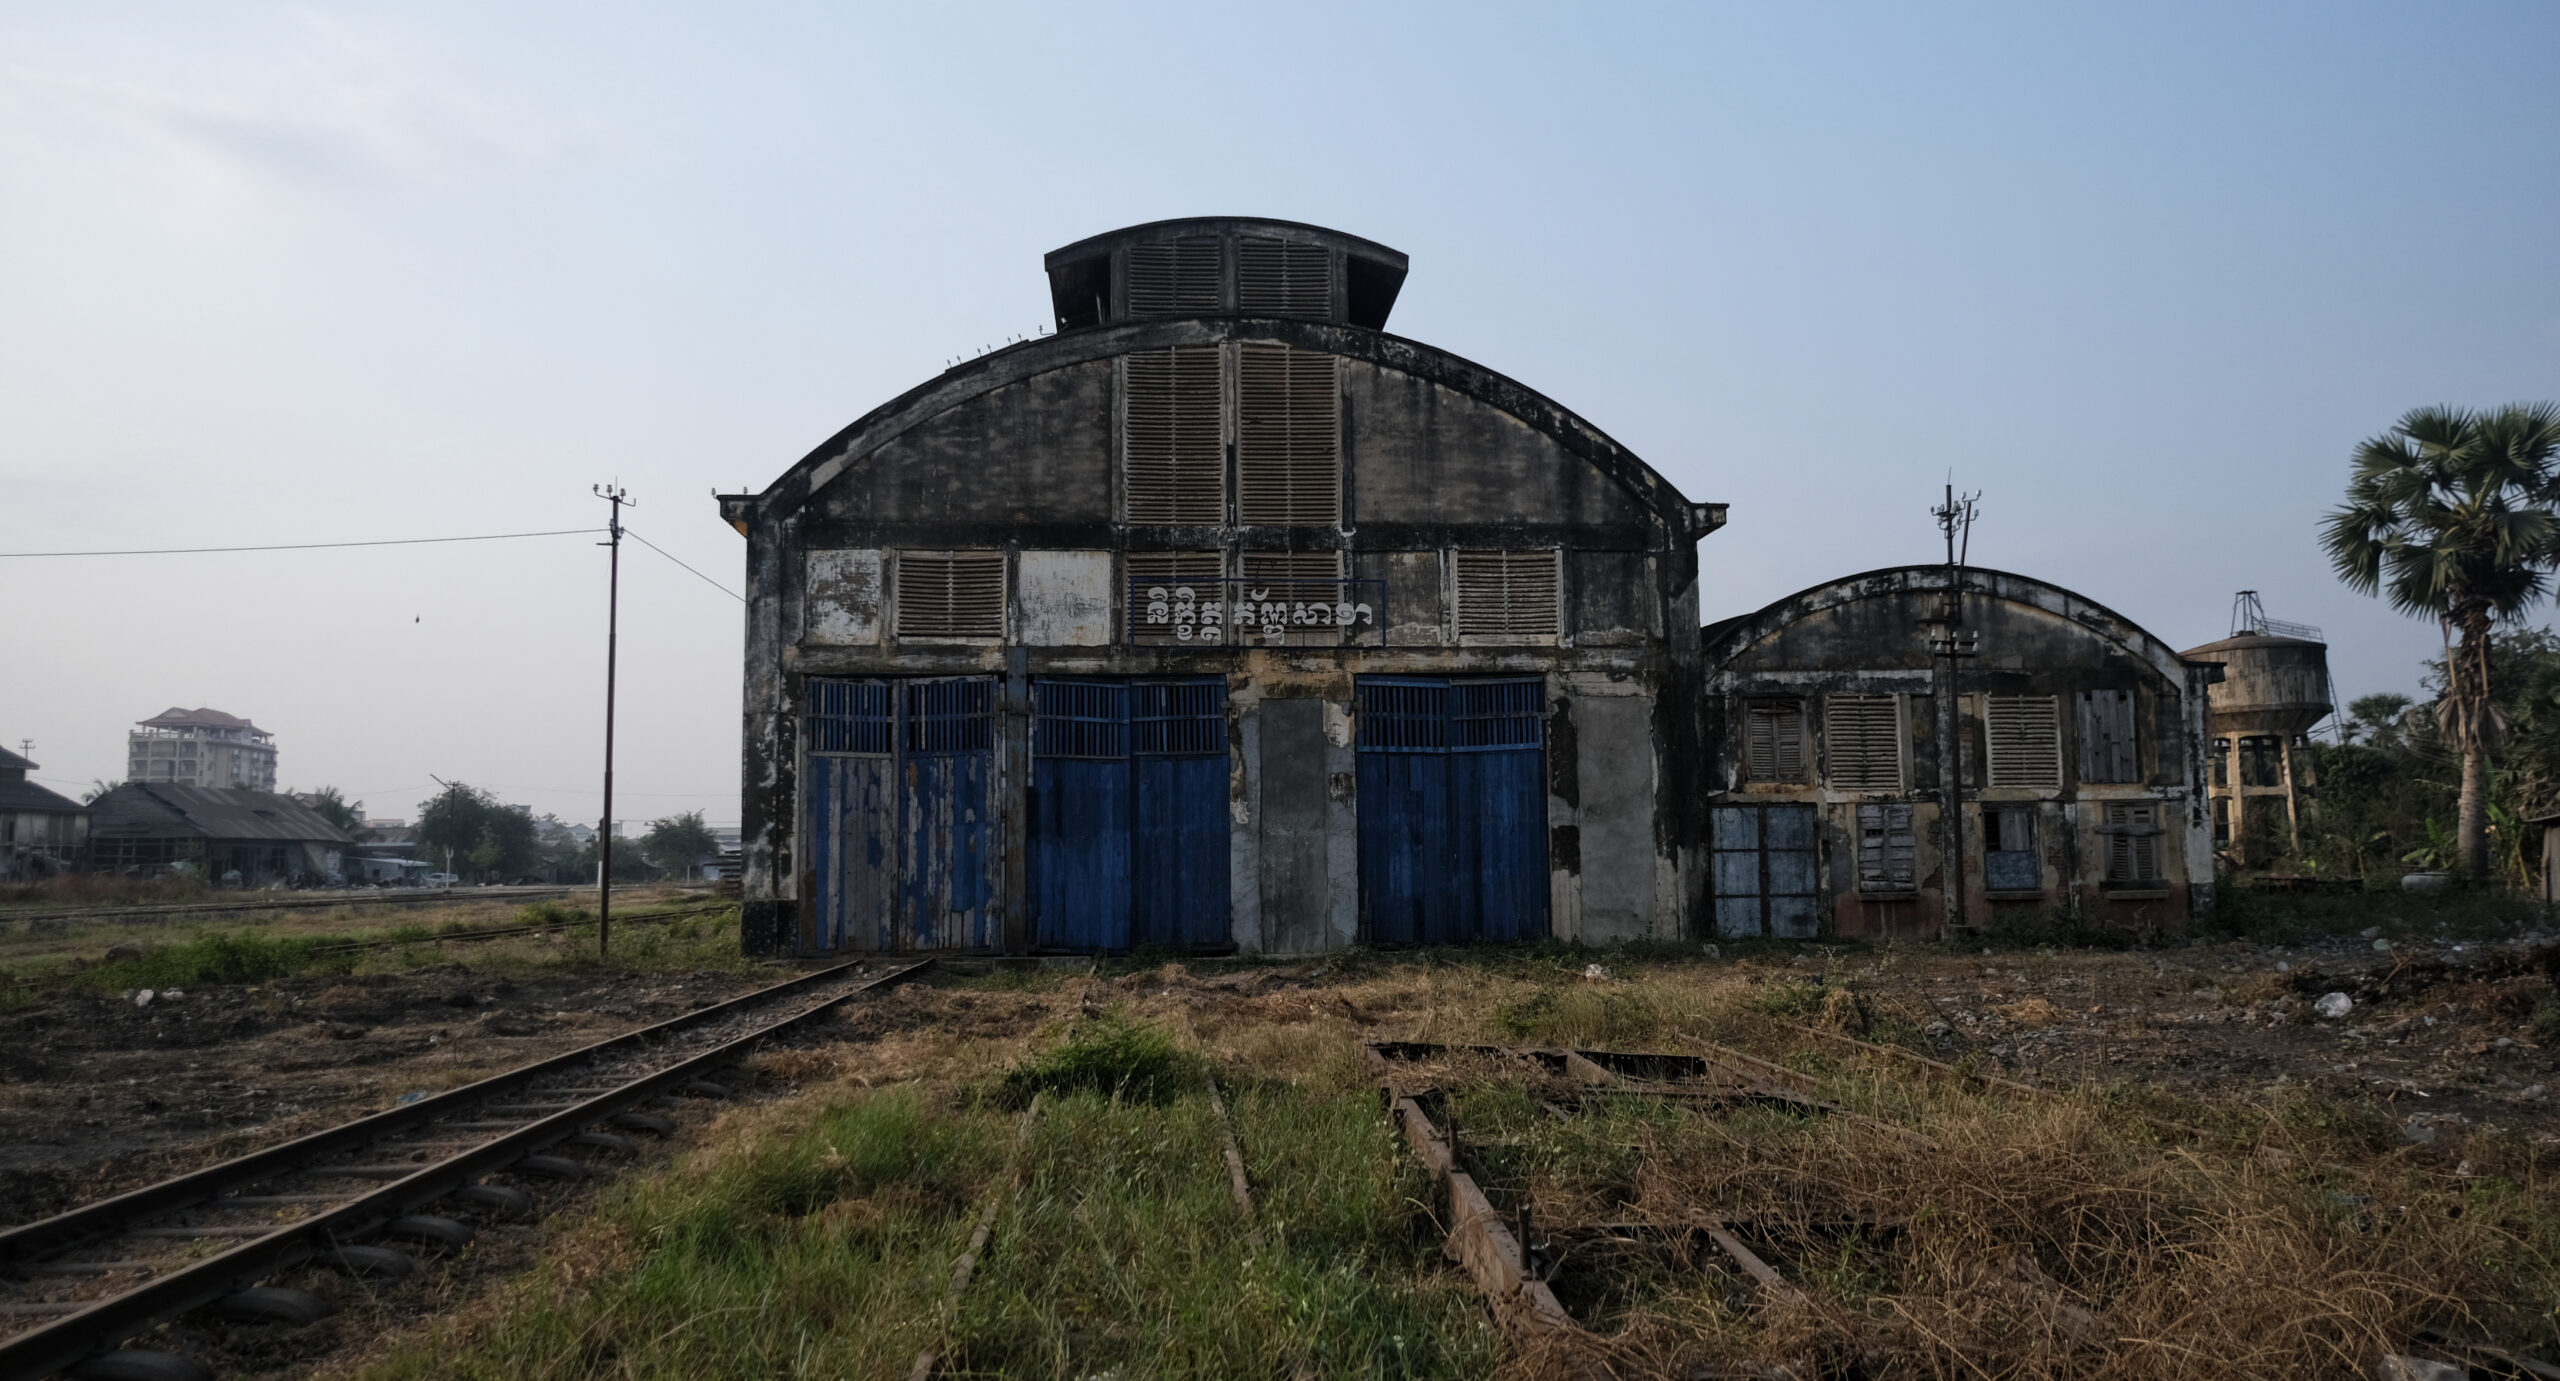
(292, 273)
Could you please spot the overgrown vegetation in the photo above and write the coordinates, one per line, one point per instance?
(1109, 1056)
(825, 1250)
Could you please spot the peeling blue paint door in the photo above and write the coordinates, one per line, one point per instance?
(849, 834)
(1179, 850)
(1079, 835)
(947, 829)
(1453, 821)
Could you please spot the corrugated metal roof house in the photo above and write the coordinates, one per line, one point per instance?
(261, 836)
(41, 830)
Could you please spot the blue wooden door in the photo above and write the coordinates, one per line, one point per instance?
(1178, 762)
(849, 829)
(947, 834)
(1079, 834)
(1453, 821)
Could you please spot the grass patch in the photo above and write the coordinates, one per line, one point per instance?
(1588, 1014)
(1110, 1056)
(826, 1253)
(212, 957)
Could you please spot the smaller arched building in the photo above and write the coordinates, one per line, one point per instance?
(2082, 740)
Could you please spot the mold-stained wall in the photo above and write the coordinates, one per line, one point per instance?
(1020, 453)
(1839, 647)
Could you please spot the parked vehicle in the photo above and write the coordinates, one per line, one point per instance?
(439, 880)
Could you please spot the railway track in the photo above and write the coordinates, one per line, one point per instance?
(77, 1286)
(289, 902)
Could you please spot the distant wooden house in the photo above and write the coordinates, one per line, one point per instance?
(233, 836)
(42, 832)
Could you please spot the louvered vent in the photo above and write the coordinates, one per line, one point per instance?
(1888, 848)
(1292, 565)
(1864, 735)
(1297, 579)
(2133, 842)
(1288, 436)
(1278, 278)
(1175, 467)
(1507, 594)
(958, 594)
(2026, 740)
(1773, 740)
(1173, 572)
(1174, 277)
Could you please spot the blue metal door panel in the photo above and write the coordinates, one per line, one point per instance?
(1453, 810)
(1182, 894)
(1080, 815)
(947, 835)
(1178, 747)
(852, 828)
(945, 874)
(1404, 848)
(1499, 803)
(1080, 864)
(849, 822)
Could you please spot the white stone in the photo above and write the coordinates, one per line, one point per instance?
(2334, 1005)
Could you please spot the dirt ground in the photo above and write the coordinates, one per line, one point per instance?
(98, 1094)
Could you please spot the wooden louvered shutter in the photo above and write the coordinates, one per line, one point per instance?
(1864, 735)
(1887, 848)
(2107, 747)
(1288, 436)
(2025, 738)
(1174, 459)
(2133, 841)
(1200, 572)
(958, 594)
(1175, 277)
(1277, 278)
(1508, 594)
(1773, 740)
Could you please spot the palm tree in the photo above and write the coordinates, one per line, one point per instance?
(2451, 516)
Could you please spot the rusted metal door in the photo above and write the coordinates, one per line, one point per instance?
(849, 832)
(947, 834)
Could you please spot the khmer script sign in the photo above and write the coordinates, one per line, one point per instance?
(1266, 613)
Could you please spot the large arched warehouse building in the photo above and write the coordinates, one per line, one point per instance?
(1221, 619)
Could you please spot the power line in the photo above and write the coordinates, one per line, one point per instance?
(316, 546)
(634, 534)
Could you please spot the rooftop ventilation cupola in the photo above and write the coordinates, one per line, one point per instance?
(1224, 266)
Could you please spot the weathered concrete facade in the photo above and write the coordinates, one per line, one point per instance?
(1220, 486)
(2082, 740)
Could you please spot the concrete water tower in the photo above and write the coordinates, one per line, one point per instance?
(2274, 688)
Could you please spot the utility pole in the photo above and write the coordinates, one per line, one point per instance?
(618, 497)
(1951, 643)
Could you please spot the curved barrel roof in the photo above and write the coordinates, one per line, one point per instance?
(1024, 359)
(1729, 637)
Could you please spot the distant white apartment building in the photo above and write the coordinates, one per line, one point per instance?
(201, 747)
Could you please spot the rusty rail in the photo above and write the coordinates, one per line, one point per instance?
(496, 1124)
